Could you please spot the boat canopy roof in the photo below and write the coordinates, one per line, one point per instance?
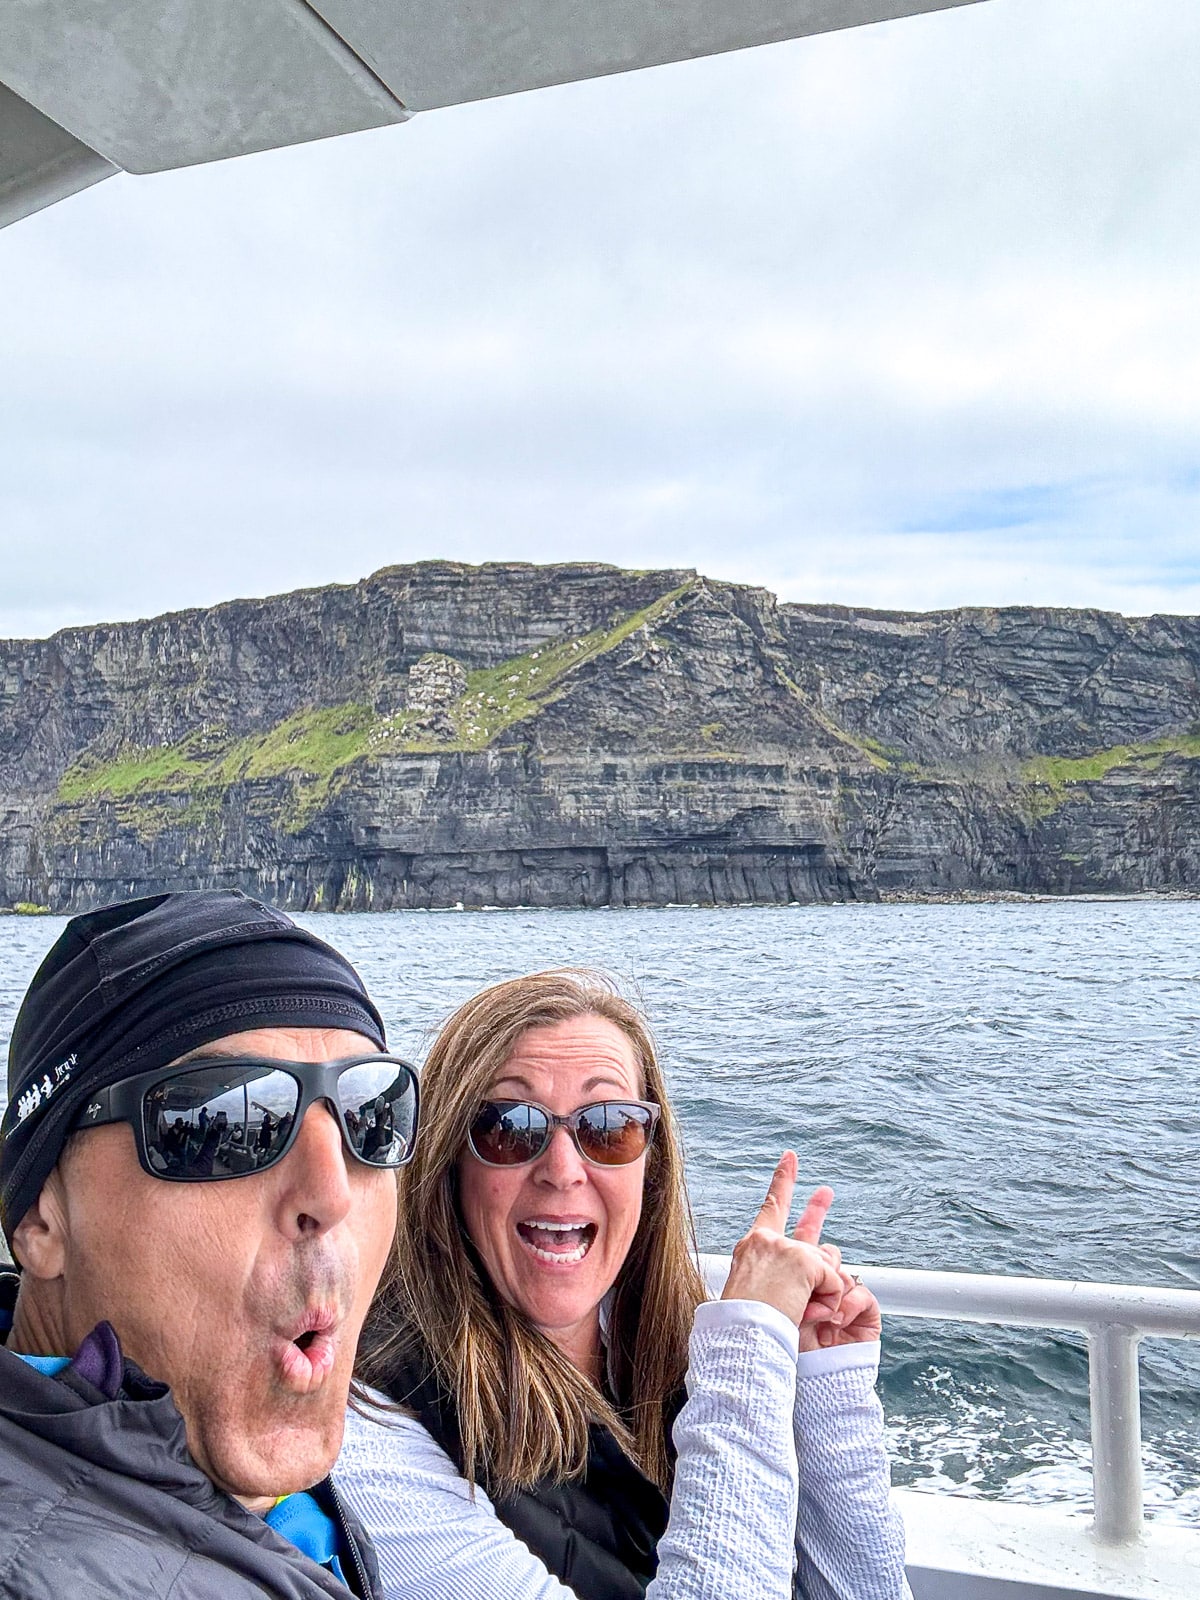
(93, 87)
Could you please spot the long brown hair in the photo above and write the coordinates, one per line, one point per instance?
(522, 1407)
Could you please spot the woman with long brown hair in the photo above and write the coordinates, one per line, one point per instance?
(579, 1422)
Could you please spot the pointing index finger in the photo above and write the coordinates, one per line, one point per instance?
(773, 1213)
(812, 1218)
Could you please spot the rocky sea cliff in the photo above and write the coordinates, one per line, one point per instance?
(583, 736)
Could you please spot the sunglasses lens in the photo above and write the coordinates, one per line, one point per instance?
(220, 1120)
(378, 1101)
(507, 1133)
(613, 1134)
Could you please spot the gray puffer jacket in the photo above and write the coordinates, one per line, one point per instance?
(100, 1499)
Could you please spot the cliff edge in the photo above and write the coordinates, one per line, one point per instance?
(579, 735)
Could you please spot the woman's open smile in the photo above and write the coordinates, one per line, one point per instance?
(557, 1241)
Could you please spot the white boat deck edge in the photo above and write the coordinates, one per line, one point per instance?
(968, 1549)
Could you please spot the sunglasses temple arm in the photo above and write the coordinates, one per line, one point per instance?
(99, 1110)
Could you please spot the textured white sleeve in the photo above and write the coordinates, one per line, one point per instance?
(849, 1536)
(750, 1313)
(433, 1540)
(733, 1508)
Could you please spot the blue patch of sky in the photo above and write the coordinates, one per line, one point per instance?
(994, 509)
(1177, 570)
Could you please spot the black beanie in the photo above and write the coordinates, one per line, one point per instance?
(136, 985)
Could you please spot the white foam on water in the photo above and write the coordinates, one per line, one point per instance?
(972, 1448)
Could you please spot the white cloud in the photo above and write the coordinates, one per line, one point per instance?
(816, 317)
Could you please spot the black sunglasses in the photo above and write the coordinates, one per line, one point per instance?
(608, 1133)
(229, 1116)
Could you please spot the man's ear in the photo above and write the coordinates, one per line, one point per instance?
(39, 1240)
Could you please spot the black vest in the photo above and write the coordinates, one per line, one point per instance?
(598, 1535)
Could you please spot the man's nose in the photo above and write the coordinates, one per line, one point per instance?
(560, 1164)
(315, 1192)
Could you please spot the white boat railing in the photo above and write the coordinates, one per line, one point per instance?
(1114, 1316)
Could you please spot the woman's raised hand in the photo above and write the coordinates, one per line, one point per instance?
(856, 1318)
(795, 1275)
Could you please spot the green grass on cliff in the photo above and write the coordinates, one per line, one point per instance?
(160, 767)
(887, 757)
(1051, 779)
(498, 697)
(317, 744)
(314, 749)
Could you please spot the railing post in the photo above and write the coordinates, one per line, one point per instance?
(1116, 1432)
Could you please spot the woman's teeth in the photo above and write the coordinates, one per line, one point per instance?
(560, 1242)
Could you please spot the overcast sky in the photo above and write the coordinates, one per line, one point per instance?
(903, 316)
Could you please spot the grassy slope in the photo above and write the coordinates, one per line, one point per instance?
(315, 749)
(1053, 781)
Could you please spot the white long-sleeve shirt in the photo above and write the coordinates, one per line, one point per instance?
(777, 1453)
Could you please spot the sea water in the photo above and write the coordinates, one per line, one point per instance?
(989, 1088)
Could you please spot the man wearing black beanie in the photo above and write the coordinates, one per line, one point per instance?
(197, 1182)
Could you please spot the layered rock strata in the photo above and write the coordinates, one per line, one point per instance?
(578, 735)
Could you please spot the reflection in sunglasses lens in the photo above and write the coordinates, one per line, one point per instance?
(379, 1105)
(509, 1133)
(218, 1121)
(228, 1118)
(614, 1134)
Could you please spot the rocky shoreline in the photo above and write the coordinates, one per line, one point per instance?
(510, 735)
(896, 897)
